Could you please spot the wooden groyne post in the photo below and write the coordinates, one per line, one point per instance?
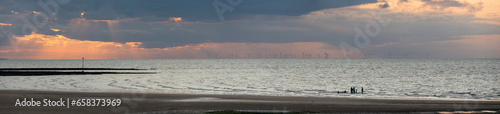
(83, 63)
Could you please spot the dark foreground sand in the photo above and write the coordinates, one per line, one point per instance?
(148, 102)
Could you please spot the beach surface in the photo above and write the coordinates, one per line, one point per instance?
(154, 102)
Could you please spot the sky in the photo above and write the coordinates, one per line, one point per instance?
(203, 29)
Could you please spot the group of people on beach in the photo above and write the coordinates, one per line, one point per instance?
(353, 90)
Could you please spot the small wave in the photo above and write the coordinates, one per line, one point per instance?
(163, 86)
(463, 92)
(237, 90)
(293, 91)
(115, 82)
(318, 90)
(142, 86)
(197, 88)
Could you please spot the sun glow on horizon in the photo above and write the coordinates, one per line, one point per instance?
(5, 24)
(175, 19)
(40, 46)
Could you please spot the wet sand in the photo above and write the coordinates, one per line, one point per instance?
(154, 102)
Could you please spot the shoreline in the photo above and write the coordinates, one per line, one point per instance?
(270, 95)
(157, 102)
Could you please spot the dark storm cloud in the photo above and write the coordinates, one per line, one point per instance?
(3, 36)
(385, 5)
(203, 10)
(161, 10)
(198, 10)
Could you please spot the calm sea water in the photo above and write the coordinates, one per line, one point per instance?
(380, 78)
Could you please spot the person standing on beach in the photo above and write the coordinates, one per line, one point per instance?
(362, 90)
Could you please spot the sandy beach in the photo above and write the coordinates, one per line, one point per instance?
(154, 102)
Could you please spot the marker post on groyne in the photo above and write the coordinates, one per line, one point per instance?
(83, 63)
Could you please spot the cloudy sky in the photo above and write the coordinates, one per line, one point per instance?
(185, 29)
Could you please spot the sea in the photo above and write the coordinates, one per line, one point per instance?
(477, 79)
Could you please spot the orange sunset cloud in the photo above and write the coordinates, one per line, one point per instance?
(5, 24)
(60, 47)
(486, 9)
(176, 19)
